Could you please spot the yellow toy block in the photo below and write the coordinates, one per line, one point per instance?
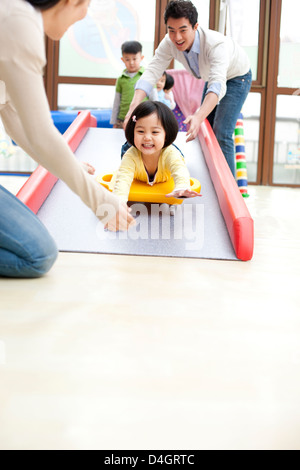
(143, 192)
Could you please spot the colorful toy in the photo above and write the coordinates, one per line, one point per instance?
(240, 157)
(143, 192)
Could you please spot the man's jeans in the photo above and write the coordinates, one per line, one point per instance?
(224, 116)
(26, 247)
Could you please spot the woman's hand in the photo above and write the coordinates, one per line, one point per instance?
(122, 220)
(183, 193)
(88, 168)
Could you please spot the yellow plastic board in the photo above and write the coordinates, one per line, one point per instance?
(143, 192)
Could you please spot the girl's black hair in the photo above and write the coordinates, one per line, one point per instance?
(43, 4)
(169, 82)
(164, 114)
(181, 9)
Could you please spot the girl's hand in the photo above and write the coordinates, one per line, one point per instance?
(88, 168)
(179, 193)
(122, 220)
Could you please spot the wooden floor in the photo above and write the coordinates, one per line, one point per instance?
(122, 352)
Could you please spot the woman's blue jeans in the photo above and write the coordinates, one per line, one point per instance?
(224, 116)
(26, 248)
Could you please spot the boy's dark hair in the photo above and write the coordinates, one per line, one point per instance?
(181, 9)
(131, 47)
(165, 115)
(169, 82)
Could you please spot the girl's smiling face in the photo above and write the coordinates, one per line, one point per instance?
(149, 135)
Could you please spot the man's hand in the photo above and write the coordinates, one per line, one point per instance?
(138, 97)
(194, 122)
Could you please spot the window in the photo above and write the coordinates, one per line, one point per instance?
(243, 26)
(92, 46)
(289, 55)
(286, 165)
(251, 115)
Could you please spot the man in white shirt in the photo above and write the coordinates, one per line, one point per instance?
(209, 55)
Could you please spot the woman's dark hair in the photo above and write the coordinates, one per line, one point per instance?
(181, 9)
(169, 82)
(43, 4)
(164, 114)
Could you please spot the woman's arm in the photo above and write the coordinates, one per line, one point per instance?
(27, 119)
(28, 122)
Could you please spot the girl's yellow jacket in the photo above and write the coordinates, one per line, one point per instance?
(170, 165)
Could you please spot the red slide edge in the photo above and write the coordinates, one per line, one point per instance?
(39, 185)
(238, 220)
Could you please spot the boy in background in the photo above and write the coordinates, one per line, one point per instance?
(125, 85)
(132, 58)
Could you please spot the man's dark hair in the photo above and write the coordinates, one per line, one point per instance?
(131, 47)
(169, 82)
(165, 115)
(181, 9)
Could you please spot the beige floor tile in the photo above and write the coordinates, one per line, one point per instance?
(124, 352)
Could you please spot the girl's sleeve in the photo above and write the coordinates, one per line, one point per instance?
(178, 170)
(27, 119)
(124, 177)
